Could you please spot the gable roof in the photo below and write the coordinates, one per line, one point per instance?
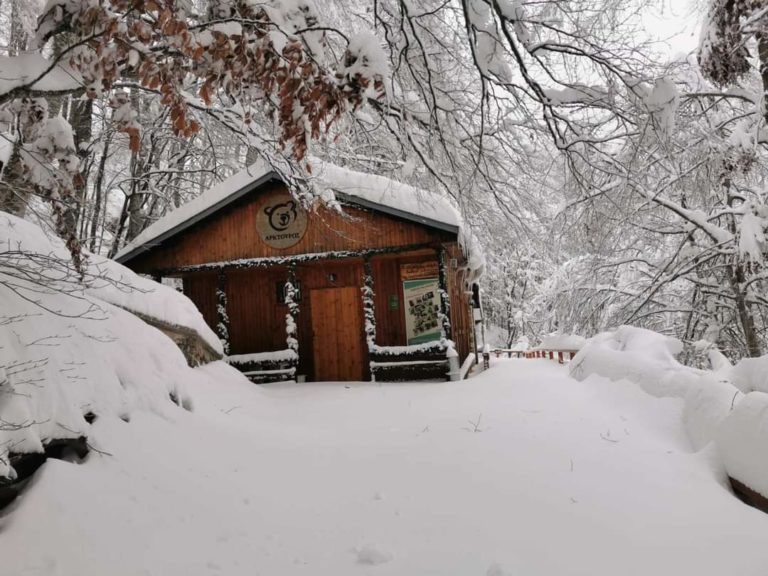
(332, 183)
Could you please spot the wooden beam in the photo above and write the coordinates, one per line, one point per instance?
(369, 309)
(291, 326)
(222, 322)
(442, 280)
(268, 262)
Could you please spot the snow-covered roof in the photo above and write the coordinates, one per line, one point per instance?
(386, 195)
(332, 183)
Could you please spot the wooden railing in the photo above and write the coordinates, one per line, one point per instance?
(560, 355)
(400, 364)
(263, 369)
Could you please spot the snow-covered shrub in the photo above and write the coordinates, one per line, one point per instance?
(648, 359)
(638, 355)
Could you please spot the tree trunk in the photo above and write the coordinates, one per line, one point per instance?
(97, 191)
(81, 118)
(746, 319)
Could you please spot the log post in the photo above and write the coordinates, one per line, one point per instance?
(445, 304)
(291, 301)
(369, 309)
(222, 322)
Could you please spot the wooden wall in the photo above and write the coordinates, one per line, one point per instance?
(257, 319)
(201, 289)
(232, 234)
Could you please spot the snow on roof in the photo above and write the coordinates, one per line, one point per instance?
(207, 203)
(381, 192)
(332, 183)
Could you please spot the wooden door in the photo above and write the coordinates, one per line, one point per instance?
(337, 334)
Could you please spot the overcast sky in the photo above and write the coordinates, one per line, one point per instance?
(677, 22)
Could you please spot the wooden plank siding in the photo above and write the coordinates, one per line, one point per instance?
(257, 321)
(201, 289)
(231, 234)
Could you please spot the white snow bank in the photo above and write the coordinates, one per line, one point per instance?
(558, 341)
(641, 356)
(110, 282)
(648, 359)
(750, 374)
(308, 479)
(66, 351)
(88, 356)
(742, 442)
(706, 406)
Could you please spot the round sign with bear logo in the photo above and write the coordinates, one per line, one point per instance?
(281, 221)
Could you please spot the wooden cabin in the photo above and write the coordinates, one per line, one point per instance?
(369, 282)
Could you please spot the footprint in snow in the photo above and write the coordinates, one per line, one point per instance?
(496, 570)
(372, 556)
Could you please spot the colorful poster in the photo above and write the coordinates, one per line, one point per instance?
(422, 310)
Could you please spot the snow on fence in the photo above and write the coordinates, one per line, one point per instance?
(430, 361)
(266, 367)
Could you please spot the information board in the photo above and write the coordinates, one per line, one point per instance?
(422, 310)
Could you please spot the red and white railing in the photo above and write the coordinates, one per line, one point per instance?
(560, 355)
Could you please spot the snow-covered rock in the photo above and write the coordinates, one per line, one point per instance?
(69, 348)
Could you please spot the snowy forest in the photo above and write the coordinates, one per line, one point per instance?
(605, 166)
(611, 180)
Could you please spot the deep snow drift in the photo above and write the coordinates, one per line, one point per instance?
(519, 471)
(69, 349)
(716, 406)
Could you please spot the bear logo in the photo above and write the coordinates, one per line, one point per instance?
(281, 216)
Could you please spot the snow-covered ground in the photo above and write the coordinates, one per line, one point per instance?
(519, 471)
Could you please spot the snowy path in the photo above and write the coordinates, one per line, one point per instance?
(561, 478)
